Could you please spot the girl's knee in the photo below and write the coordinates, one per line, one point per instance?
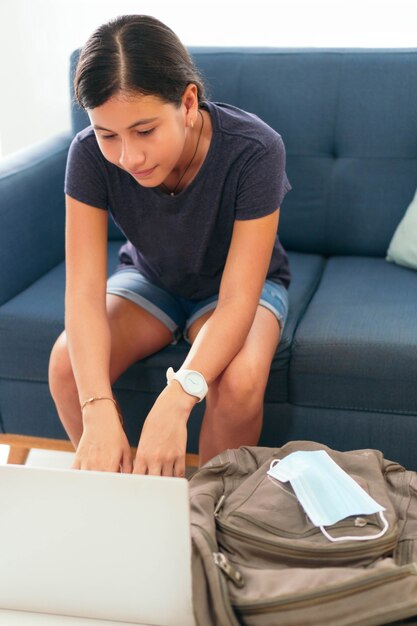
(240, 389)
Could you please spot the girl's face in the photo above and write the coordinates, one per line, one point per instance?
(146, 136)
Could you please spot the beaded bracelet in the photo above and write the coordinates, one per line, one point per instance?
(94, 398)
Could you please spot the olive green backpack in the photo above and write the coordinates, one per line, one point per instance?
(259, 561)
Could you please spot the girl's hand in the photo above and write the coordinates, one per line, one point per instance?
(103, 446)
(163, 441)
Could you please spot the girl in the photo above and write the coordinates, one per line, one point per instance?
(196, 187)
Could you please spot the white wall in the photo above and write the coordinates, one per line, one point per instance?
(37, 37)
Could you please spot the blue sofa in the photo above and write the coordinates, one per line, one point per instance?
(345, 372)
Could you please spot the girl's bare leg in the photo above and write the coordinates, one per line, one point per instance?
(234, 403)
(135, 334)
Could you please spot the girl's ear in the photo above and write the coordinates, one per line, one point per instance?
(190, 102)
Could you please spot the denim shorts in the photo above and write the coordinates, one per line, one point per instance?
(177, 313)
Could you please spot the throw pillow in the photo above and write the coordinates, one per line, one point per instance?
(403, 247)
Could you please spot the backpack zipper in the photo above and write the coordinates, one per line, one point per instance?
(328, 552)
(317, 597)
(219, 505)
(223, 584)
(231, 572)
(359, 522)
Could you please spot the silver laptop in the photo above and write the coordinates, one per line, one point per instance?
(85, 548)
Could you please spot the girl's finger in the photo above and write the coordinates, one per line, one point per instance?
(179, 467)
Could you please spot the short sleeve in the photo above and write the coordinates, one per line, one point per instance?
(85, 178)
(263, 181)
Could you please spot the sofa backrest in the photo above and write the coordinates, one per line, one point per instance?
(348, 118)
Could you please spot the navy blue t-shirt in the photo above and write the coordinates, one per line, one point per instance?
(181, 242)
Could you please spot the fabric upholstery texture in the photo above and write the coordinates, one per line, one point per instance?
(355, 348)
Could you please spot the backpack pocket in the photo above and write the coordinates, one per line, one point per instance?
(340, 596)
(263, 516)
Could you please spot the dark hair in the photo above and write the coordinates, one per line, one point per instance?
(135, 54)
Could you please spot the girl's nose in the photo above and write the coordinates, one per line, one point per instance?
(131, 158)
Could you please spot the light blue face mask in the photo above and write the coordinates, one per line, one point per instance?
(326, 492)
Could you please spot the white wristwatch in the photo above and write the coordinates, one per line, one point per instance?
(191, 381)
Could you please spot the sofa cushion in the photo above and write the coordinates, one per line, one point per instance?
(31, 322)
(347, 153)
(29, 325)
(348, 352)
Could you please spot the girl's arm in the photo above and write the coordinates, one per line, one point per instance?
(103, 444)
(225, 332)
(162, 445)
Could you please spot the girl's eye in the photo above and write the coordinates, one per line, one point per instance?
(139, 132)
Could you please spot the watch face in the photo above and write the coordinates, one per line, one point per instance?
(194, 383)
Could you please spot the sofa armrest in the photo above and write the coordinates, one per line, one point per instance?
(32, 213)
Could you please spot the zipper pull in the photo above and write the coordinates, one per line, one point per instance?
(228, 569)
(219, 505)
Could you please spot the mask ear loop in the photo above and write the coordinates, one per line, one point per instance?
(367, 538)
